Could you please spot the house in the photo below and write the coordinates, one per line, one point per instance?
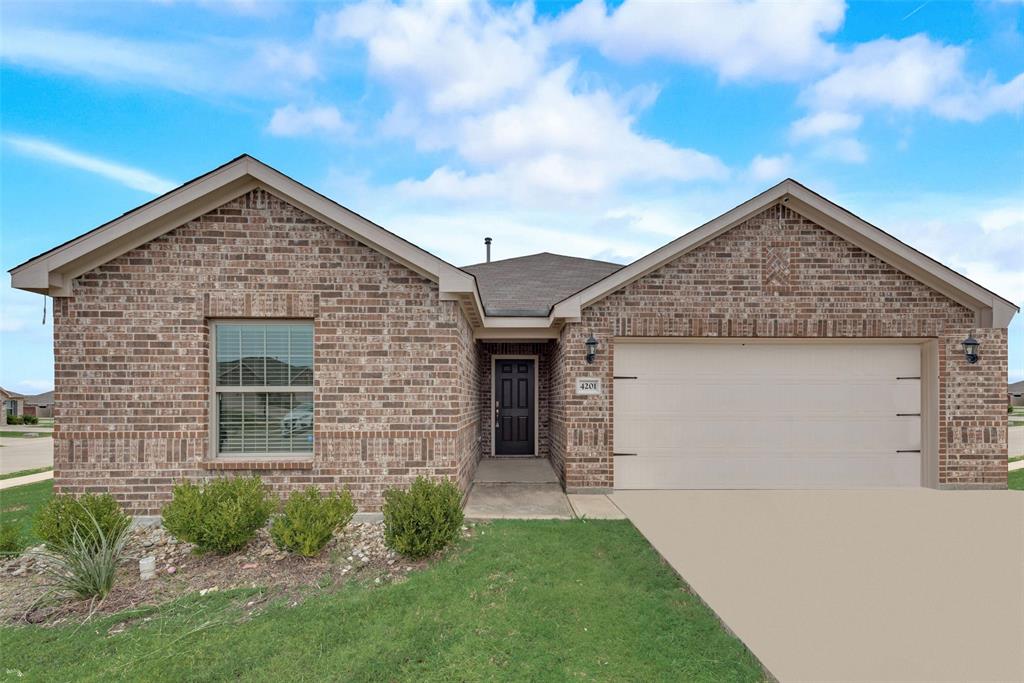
(40, 405)
(1015, 393)
(14, 404)
(244, 323)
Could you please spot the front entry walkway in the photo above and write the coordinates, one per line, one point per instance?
(516, 488)
(880, 585)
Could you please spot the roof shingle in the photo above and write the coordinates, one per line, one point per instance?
(531, 285)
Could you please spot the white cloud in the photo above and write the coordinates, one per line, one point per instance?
(847, 150)
(474, 80)
(456, 55)
(217, 67)
(772, 169)
(768, 40)
(913, 73)
(823, 124)
(1003, 218)
(129, 176)
(290, 121)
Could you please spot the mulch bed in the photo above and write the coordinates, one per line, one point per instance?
(356, 553)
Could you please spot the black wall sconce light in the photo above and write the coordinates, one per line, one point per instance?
(591, 348)
(970, 349)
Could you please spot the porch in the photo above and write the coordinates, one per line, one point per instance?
(528, 488)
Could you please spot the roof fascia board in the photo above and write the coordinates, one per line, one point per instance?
(571, 306)
(352, 224)
(523, 334)
(990, 309)
(49, 273)
(102, 244)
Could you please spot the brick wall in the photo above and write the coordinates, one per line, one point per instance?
(394, 386)
(486, 352)
(781, 275)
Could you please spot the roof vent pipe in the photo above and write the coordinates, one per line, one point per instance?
(487, 243)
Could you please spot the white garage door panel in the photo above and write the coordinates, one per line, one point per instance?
(766, 415)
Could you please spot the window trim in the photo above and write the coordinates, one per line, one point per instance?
(214, 441)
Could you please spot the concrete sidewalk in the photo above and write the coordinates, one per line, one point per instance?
(27, 479)
(872, 585)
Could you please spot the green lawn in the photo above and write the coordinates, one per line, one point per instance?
(1016, 480)
(20, 435)
(21, 503)
(522, 601)
(23, 473)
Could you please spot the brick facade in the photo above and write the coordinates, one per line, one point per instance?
(394, 369)
(401, 386)
(781, 275)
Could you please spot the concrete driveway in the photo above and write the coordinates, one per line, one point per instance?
(882, 585)
(20, 453)
(1016, 441)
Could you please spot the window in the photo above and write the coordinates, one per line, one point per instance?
(263, 388)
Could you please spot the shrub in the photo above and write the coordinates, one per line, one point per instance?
(30, 419)
(63, 517)
(11, 540)
(222, 516)
(15, 420)
(87, 564)
(424, 519)
(309, 520)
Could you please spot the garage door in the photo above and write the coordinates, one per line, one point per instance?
(753, 415)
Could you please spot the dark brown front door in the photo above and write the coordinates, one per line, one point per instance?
(513, 397)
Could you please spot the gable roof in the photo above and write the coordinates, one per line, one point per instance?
(531, 285)
(564, 285)
(1015, 388)
(43, 399)
(9, 394)
(991, 310)
(52, 272)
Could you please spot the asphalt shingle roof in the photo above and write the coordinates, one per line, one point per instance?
(531, 285)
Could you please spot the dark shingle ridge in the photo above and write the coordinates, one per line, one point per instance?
(531, 285)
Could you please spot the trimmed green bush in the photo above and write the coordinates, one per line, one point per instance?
(424, 519)
(30, 419)
(64, 516)
(15, 420)
(11, 539)
(310, 519)
(220, 516)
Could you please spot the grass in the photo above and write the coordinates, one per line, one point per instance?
(20, 504)
(22, 435)
(1015, 480)
(537, 601)
(24, 473)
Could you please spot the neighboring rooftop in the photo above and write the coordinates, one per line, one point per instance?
(531, 285)
(1015, 388)
(43, 399)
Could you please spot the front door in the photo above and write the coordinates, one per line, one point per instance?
(513, 406)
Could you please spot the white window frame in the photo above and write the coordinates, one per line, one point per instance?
(216, 389)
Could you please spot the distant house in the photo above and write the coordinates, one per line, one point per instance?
(14, 403)
(40, 405)
(1015, 393)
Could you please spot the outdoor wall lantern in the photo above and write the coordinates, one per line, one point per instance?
(971, 349)
(592, 348)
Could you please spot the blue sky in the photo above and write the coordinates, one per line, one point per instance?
(588, 129)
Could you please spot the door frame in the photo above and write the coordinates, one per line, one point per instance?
(536, 400)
